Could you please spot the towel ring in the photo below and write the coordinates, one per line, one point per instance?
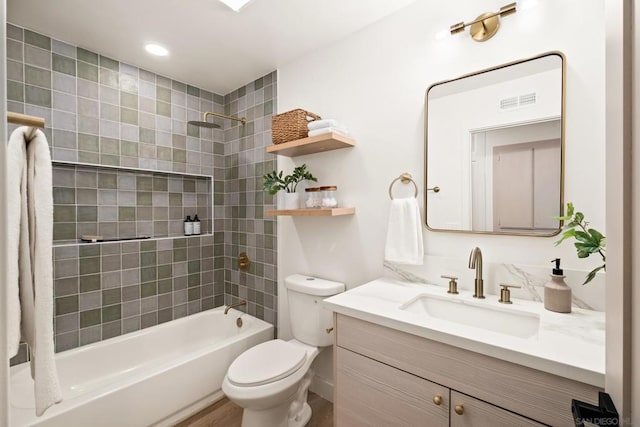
(405, 178)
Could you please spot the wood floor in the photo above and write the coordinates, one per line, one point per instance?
(225, 413)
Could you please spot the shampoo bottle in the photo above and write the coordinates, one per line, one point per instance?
(196, 225)
(188, 226)
(557, 294)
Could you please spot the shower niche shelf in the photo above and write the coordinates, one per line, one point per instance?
(312, 144)
(312, 212)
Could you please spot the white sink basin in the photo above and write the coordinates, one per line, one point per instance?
(475, 314)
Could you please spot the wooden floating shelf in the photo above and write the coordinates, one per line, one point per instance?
(312, 144)
(312, 212)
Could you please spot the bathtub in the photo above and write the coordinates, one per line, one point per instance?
(157, 376)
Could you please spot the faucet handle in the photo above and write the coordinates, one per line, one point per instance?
(453, 284)
(505, 293)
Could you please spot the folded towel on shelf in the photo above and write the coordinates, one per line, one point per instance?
(404, 233)
(324, 123)
(30, 265)
(321, 131)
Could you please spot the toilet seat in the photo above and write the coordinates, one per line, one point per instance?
(266, 363)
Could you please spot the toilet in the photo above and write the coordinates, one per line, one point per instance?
(270, 381)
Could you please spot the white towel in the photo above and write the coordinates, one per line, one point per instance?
(321, 131)
(404, 233)
(30, 268)
(324, 123)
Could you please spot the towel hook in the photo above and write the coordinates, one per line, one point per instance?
(405, 178)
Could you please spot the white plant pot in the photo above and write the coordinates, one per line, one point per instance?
(288, 200)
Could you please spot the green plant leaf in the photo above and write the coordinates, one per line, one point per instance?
(277, 181)
(562, 218)
(570, 209)
(592, 274)
(583, 237)
(588, 246)
(566, 235)
(596, 235)
(579, 217)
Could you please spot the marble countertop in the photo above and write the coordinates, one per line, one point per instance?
(568, 345)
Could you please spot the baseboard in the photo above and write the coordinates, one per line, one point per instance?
(190, 410)
(322, 387)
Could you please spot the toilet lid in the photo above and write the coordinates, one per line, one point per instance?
(266, 363)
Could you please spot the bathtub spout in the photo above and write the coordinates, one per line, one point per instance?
(238, 304)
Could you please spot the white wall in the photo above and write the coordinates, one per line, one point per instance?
(375, 82)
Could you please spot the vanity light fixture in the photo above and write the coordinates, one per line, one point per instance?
(485, 25)
(156, 49)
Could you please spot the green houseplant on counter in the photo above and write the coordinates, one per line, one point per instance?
(285, 186)
(588, 240)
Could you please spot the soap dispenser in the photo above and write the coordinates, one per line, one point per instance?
(557, 294)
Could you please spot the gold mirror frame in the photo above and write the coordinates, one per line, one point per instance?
(562, 143)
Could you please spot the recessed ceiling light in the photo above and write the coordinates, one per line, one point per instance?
(236, 5)
(156, 49)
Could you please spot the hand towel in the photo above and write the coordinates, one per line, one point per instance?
(30, 267)
(321, 131)
(404, 233)
(324, 123)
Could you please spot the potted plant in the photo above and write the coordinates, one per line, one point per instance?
(588, 240)
(274, 182)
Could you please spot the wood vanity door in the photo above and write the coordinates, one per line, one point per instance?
(476, 413)
(370, 393)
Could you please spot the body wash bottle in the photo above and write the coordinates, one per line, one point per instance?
(196, 225)
(188, 226)
(557, 294)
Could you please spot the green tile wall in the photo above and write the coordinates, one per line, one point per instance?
(100, 111)
(122, 203)
(246, 227)
(106, 289)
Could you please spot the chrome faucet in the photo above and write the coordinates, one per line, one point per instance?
(475, 261)
(238, 304)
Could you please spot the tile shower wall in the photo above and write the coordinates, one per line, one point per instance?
(105, 290)
(123, 203)
(101, 112)
(246, 227)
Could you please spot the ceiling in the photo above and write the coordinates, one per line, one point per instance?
(210, 46)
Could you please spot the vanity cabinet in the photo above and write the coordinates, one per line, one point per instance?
(372, 393)
(469, 412)
(388, 377)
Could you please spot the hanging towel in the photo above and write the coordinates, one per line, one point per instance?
(321, 131)
(324, 123)
(30, 268)
(404, 233)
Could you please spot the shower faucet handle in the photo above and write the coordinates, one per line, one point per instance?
(453, 284)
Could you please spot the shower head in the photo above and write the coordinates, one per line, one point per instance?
(204, 124)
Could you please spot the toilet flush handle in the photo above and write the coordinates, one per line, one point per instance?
(329, 330)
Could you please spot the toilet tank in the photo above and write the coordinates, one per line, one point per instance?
(309, 319)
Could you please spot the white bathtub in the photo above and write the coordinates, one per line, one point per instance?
(157, 376)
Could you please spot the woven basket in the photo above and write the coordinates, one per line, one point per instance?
(291, 125)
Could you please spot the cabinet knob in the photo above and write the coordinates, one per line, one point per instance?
(437, 399)
(459, 409)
